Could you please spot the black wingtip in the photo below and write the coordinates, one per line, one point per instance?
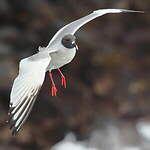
(10, 109)
(13, 128)
(131, 11)
(11, 124)
(14, 132)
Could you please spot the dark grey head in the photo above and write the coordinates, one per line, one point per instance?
(68, 41)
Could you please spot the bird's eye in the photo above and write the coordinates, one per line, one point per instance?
(67, 40)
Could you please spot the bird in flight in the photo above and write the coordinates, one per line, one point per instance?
(60, 51)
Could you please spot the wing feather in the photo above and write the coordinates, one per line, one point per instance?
(72, 27)
(19, 89)
(26, 112)
(25, 88)
(21, 100)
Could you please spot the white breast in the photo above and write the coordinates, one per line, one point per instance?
(61, 58)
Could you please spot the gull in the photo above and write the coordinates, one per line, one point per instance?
(59, 52)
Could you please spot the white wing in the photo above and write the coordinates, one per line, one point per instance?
(74, 26)
(25, 88)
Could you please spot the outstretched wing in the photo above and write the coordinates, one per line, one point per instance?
(25, 88)
(74, 26)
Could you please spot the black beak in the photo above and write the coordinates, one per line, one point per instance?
(75, 45)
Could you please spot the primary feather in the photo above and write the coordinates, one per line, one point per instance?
(26, 87)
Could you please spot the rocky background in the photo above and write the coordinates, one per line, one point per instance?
(108, 91)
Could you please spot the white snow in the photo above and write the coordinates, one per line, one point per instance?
(143, 128)
(70, 143)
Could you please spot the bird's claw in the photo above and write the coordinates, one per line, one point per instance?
(54, 90)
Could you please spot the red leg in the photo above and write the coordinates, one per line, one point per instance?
(54, 89)
(63, 80)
